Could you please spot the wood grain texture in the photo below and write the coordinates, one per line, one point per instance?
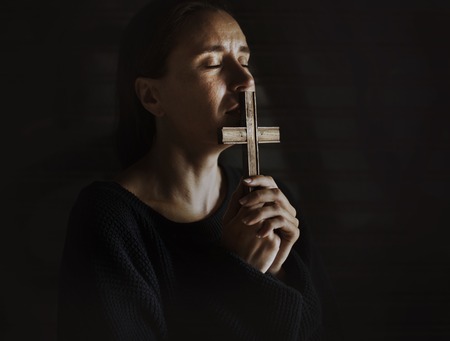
(238, 135)
(250, 134)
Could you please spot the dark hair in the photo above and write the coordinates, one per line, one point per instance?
(146, 43)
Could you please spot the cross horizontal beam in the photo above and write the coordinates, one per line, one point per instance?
(238, 135)
(250, 134)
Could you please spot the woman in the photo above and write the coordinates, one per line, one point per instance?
(167, 251)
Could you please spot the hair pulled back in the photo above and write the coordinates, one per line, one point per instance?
(145, 46)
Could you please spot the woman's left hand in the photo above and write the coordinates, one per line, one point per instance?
(269, 206)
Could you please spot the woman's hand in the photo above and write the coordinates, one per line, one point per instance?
(260, 227)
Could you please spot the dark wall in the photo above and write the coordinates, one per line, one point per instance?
(360, 91)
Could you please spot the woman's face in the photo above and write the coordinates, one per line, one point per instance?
(206, 70)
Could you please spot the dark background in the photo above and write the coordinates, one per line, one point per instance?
(360, 91)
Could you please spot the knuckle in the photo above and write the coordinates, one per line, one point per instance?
(270, 179)
(260, 210)
(277, 209)
(294, 212)
(263, 210)
(273, 223)
(258, 195)
(274, 244)
(277, 192)
(258, 177)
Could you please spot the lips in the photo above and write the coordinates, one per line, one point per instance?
(234, 111)
(233, 117)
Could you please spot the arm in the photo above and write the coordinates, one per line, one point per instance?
(243, 303)
(108, 290)
(298, 259)
(268, 213)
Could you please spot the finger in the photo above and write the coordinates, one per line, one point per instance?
(260, 181)
(257, 214)
(286, 229)
(266, 253)
(271, 192)
(282, 255)
(263, 196)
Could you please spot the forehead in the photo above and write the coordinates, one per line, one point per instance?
(211, 28)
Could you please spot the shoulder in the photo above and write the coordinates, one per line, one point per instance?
(105, 197)
(103, 206)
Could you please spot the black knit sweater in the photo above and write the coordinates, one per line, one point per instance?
(128, 273)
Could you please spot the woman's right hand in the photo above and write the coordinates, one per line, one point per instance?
(263, 230)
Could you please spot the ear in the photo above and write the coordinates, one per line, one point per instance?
(147, 92)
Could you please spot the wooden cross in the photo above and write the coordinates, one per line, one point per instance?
(250, 134)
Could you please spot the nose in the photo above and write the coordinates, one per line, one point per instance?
(240, 78)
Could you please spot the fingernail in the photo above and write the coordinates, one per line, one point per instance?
(248, 180)
(243, 201)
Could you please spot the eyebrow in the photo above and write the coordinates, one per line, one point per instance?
(220, 48)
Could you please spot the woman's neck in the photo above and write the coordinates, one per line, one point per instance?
(182, 186)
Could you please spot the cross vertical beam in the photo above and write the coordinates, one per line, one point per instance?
(247, 102)
(250, 134)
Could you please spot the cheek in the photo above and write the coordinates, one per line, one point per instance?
(213, 92)
(198, 92)
(204, 92)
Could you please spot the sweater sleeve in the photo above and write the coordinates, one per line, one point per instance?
(108, 289)
(268, 308)
(241, 302)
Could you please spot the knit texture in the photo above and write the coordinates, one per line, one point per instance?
(128, 273)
